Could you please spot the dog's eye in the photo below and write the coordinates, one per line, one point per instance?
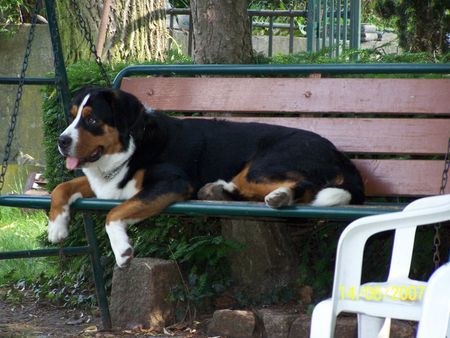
(91, 121)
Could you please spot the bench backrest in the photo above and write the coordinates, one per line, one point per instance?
(395, 130)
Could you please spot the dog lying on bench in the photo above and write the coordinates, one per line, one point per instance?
(151, 160)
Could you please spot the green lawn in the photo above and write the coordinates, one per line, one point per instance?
(21, 230)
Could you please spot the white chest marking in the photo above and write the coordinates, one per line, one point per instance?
(109, 188)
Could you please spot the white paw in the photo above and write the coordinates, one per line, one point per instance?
(123, 252)
(123, 259)
(59, 229)
(279, 198)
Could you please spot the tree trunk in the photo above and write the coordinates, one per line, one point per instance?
(221, 31)
(136, 30)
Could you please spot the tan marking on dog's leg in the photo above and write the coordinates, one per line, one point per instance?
(62, 197)
(130, 212)
(139, 179)
(257, 191)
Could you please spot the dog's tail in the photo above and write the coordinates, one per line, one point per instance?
(349, 189)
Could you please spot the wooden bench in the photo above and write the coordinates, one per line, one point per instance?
(396, 131)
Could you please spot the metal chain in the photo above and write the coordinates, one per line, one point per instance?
(446, 169)
(62, 116)
(88, 37)
(437, 236)
(15, 111)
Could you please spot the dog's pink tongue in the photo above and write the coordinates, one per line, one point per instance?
(71, 163)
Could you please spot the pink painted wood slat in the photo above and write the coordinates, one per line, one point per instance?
(400, 177)
(283, 95)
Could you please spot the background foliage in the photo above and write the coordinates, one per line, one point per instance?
(13, 12)
(421, 25)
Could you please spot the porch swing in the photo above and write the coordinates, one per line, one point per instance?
(186, 208)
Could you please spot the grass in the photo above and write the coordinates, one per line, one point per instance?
(22, 230)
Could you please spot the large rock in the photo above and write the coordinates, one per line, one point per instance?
(234, 324)
(276, 323)
(139, 296)
(268, 259)
(346, 327)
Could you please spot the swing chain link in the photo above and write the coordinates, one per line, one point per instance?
(86, 30)
(444, 180)
(15, 111)
(62, 117)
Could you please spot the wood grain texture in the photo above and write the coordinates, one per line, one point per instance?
(400, 177)
(370, 135)
(293, 95)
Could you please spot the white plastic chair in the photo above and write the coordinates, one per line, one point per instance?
(375, 303)
(436, 305)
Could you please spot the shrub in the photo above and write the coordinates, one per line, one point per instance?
(422, 25)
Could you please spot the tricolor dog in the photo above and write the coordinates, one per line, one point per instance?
(151, 160)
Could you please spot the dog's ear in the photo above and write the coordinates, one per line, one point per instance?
(129, 113)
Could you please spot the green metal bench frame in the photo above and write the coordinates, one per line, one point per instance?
(223, 209)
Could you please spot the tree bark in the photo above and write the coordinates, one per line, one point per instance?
(136, 30)
(221, 31)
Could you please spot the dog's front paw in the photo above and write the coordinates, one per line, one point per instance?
(123, 260)
(58, 228)
(120, 244)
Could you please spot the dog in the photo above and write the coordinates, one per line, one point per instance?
(150, 160)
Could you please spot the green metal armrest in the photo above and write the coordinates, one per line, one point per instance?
(227, 209)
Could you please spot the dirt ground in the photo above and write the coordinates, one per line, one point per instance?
(29, 319)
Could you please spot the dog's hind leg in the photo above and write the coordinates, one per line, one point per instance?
(301, 192)
(276, 192)
(280, 197)
(218, 191)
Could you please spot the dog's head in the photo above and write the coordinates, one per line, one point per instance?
(105, 123)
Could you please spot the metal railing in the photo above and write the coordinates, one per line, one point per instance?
(334, 24)
(330, 23)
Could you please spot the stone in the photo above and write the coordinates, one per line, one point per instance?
(267, 261)
(403, 329)
(139, 296)
(276, 323)
(346, 327)
(233, 324)
(300, 327)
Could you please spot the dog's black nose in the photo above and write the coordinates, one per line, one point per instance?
(64, 141)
